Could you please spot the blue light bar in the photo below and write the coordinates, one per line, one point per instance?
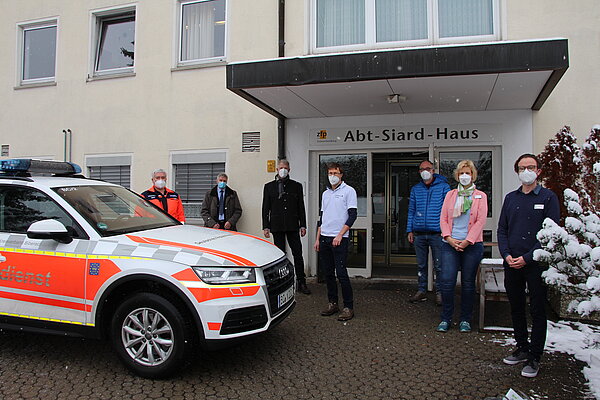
(24, 165)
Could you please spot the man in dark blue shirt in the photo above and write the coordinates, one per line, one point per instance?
(523, 212)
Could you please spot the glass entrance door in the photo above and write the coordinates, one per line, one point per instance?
(393, 177)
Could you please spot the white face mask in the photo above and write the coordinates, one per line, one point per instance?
(334, 179)
(283, 173)
(425, 175)
(160, 183)
(464, 179)
(527, 177)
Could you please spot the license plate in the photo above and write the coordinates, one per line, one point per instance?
(284, 297)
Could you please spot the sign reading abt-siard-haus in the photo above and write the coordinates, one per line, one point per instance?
(405, 136)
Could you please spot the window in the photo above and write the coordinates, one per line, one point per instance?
(192, 181)
(20, 207)
(114, 41)
(355, 175)
(384, 23)
(38, 52)
(202, 31)
(117, 174)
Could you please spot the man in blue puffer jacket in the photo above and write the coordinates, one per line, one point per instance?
(423, 226)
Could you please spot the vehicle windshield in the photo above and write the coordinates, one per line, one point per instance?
(114, 210)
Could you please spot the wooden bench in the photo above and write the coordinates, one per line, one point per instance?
(490, 280)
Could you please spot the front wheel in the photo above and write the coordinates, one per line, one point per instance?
(150, 335)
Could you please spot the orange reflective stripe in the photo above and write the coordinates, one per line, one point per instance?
(106, 269)
(186, 275)
(237, 260)
(214, 326)
(205, 294)
(43, 300)
(252, 236)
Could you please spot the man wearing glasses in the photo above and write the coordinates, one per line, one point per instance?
(523, 212)
(423, 225)
(339, 207)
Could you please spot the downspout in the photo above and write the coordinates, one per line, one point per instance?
(281, 120)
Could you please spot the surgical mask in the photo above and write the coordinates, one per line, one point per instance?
(160, 183)
(464, 179)
(425, 175)
(283, 173)
(527, 177)
(334, 179)
(222, 185)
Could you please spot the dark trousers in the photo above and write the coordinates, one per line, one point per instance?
(293, 240)
(333, 262)
(515, 282)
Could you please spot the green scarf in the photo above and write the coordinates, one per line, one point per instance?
(464, 200)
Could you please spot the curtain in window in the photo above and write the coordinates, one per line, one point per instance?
(399, 20)
(202, 30)
(340, 22)
(465, 18)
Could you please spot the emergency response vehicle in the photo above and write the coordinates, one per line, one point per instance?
(89, 258)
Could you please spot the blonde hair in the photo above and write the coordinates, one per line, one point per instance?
(470, 165)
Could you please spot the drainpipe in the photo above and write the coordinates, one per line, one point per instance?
(281, 120)
(65, 146)
(70, 144)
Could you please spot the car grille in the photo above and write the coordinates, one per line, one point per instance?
(244, 319)
(279, 277)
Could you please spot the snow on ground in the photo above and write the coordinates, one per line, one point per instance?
(582, 341)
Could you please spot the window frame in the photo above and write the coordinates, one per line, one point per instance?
(22, 28)
(199, 62)
(97, 20)
(433, 37)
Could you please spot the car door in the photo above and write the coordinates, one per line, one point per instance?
(40, 279)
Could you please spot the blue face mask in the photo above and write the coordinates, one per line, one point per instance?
(222, 185)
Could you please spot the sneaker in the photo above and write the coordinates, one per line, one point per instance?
(438, 299)
(443, 327)
(464, 327)
(517, 356)
(331, 309)
(530, 370)
(346, 315)
(302, 288)
(418, 297)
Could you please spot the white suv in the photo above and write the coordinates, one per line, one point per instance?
(90, 258)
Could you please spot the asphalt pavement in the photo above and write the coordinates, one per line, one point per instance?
(390, 350)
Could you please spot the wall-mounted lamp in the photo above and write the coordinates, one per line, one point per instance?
(395, 98)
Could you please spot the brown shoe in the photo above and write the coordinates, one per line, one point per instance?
(346, 314)
(331, 309)
(418, 297)
(438, 299)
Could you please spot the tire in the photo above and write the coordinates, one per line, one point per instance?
(153, 353)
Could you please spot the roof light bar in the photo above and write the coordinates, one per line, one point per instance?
(17, 166)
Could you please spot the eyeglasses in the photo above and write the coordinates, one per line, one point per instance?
(527, 167)
(425, 169)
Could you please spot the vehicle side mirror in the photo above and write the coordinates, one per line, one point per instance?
(49, 229)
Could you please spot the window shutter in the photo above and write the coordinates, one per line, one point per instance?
(117, 174)
(192, 181)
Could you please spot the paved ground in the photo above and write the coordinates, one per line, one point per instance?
(389, 351)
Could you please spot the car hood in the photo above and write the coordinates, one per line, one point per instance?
(192, 245)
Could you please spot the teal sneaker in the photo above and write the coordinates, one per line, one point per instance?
(464, 327)
(443, 327)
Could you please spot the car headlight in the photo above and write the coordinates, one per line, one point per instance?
(220, 276)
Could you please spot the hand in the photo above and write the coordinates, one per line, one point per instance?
(516, 263)
(455, 243)
(317, 246)
(302, 232)
(411, 237)
(337, 240)
(227, 225)
(463, 245)
(216, 226)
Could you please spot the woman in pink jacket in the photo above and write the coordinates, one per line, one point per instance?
(462, 220)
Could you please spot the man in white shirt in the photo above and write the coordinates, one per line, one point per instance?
(338, 213)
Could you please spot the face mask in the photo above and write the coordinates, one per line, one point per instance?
(425, 175)
(222, 185)
(283, 173)
(527, 177)
(334, 180)
(160, 183)
(464, 179)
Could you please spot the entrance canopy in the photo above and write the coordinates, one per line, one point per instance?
(475, 77)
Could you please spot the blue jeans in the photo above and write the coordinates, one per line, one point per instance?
(422, 244)
(467, 262)
(333, 262)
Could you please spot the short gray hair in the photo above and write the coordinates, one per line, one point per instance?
(284, 162)
(157, 171)
(223, 175)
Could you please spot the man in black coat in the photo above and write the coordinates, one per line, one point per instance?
(284, 216)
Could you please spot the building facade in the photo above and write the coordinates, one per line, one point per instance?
(198, 87)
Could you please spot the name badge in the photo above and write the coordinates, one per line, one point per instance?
(538, 206)
(477, 196)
